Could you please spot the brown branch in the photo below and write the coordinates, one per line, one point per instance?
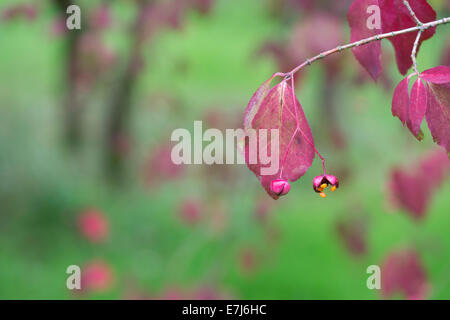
(365, 41)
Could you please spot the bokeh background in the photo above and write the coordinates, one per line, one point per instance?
(86, 177)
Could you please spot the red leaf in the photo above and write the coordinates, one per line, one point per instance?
(276, 110)
(412, 188)
(403, 272)
(435, 167)
(410, 109)
(438, 119)
(400, 101)
(369, 55)
(417, 107)
(255, 103)
(410, 192)
(438, 111)
(353, 233)
(395, 16)
(437, 75)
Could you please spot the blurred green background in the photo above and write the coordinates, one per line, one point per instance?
(242, 244)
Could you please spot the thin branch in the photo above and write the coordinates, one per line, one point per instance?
(413, 14)
(377, 37)
(419, 34)
(414, 51)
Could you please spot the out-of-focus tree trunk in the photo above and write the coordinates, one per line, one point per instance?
(72, 104)
(118, 114)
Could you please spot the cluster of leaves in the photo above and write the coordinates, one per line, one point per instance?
(430, 100)
(403, 273)
(394, 16)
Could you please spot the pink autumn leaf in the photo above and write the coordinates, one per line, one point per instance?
(353, 233)
(402, 272)
(438, 119)
(437, 75)
(412, 188)
(276, 110)
(410, 193)
(410, 108)
(369, 56)
(395, 16)
(438, 110)
(435, 168)
(255, 103)
(160, 168)
(417, 107)
(400, 101)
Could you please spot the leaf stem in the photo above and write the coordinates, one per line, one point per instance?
(365, 41)
(419, 34)
(414, 51)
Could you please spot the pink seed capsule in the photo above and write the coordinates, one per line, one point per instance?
(280, 187)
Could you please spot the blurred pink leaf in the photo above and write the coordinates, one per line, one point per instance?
(353, 231)
(402, 272)
(160, 167)
(412, 188)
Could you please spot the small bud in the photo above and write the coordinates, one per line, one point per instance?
(280, 187)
